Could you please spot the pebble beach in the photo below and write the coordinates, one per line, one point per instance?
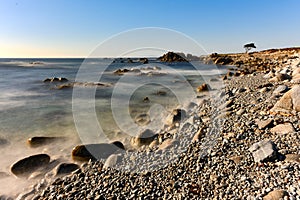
(238, 142)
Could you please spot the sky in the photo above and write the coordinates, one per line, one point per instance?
(74, 28)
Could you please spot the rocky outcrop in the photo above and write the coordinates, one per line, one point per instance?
(96, 151)
(204, 87)
(173, 57)
(27, 165)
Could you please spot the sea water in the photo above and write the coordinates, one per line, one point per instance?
(29, 107)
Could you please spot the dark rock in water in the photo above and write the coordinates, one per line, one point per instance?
(55, 79)
(41, 140)
(121, 71)
(203, 87)
(144, 60)
(173, 57)
(3, 142)
(161, 93)
(65, 168)
(129, 60)
(30, 164)
(96, 151)
(146, 99)
(264, 151)
(144, 138)
(3, 175)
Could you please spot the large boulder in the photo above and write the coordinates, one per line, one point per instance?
(264, 151)
(145, 137)
(27, 165)
(289, 101)
(96, 151)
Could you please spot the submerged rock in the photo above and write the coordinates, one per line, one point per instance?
(30, 164)
(121, 71)
(41, 140)
(55, 79)
(96, 151)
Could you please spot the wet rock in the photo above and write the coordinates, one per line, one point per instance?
(203, 87)
(41, 140)
(144, 138)
(288, 102)
(96, 151)
(55, 79)
(177, 115)
(142, 119)
(275, 195)
(144, 60)
(146, 99)
(27, 165)
(283, 129)
(121, 71)
(112, 161)
(3, 142)
(262, 124)
(264, 151)
(65, 168)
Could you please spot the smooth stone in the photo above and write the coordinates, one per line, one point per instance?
(262, 124)
(41, 140)
(289, 101)
(112, 161)
(280, 89)
(275, 195)
(283, 129)
(30, 164)
(65, 168)
(96, 151)
(144, 138)
(264, 151)
(240, 111)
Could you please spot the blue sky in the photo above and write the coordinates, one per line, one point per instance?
(65, 28)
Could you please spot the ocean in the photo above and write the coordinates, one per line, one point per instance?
(30, 107)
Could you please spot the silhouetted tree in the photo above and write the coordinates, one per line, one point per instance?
(249, 46)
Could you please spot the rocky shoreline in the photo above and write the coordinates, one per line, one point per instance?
(241, 142)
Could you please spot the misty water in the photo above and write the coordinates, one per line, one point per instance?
(29, 107)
